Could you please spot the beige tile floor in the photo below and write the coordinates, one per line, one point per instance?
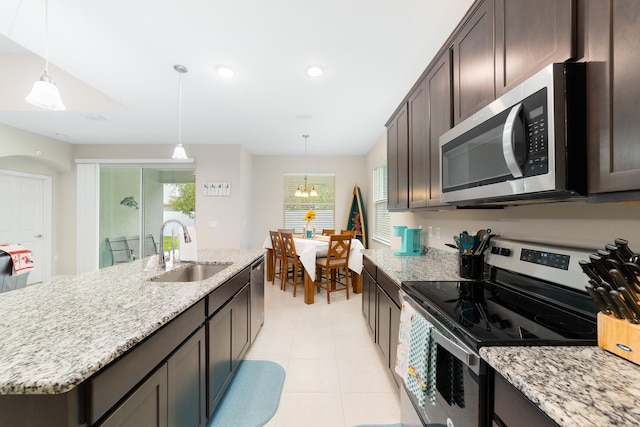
(335, 375)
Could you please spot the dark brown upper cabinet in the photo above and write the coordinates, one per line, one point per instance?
(419, 154)
(398, 160)
(439, 89)
(430, 115)
(473, 62)
(611, 48)
(531, 35)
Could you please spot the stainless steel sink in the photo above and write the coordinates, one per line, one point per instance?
(190, 273)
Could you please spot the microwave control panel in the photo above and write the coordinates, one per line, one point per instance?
(536, 134)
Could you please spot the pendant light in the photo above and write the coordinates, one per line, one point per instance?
(304, 192)
(178, 152)
(44, 93)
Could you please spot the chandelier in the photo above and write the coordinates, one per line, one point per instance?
(304, 192)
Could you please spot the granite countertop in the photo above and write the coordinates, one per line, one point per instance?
(574, 386)
(55, 335)
(436, 265)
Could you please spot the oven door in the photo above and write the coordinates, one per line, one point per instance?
(460, 384)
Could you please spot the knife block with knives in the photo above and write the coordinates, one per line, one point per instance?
(614, 284)
(619, 337)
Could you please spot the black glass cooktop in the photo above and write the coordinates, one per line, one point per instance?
(509, 310)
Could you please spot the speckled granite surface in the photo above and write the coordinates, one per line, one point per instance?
(55, 335)
(436, 265)
(575, 386)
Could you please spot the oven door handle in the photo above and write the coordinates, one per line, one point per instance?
(465, 356)
(508, 137)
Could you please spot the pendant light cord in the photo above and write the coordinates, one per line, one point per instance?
(180, 109)
(46, 37)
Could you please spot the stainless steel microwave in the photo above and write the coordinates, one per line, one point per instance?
(529, 144)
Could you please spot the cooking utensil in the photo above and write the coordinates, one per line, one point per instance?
(609, 302)
(591, 290)
(630, 299)
(451, 245)
(467, 242)
(622, 306)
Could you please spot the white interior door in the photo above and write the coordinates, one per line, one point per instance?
(24, 217)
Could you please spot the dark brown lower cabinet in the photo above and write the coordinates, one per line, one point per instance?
(186, 371)
(228, 337)
(146, 406)
(511, 408)
(369, 295)
(388, 322)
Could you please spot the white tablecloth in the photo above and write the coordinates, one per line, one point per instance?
(310, 249)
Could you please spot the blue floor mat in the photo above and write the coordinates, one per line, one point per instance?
(252, 397)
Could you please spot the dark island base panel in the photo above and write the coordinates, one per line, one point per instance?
(50, 410)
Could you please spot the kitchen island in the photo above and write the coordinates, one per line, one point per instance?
(574, 386)
(57, 337)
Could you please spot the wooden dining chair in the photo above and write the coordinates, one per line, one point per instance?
(328, 231)
(352, 233)
(278, 257)
(337, 259)
(292, 264)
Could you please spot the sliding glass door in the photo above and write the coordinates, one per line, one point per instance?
(134, 203)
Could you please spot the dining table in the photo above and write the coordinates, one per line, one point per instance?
(308, 250)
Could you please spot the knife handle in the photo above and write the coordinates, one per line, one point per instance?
(634, 269)
(623, 246)
(589, 270)
(630, 299)
(620, 281)
(591, 290)
(623, 307)
(596, 260)
(609, 302)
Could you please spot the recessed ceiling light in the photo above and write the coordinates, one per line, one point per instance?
(225, 72)
(314, 71)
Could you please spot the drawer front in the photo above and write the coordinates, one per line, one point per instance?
(390, 287)
(222, 294)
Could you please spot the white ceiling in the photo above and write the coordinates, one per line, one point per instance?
(114, 60)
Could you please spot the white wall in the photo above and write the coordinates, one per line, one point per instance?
(26, 152)
(267, 191)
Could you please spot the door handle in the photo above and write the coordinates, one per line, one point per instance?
(38, 235)
(508, 136)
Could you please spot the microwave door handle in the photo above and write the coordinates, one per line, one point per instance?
(508, 136)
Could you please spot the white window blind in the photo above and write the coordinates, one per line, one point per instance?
(382, 222)
(295, 208)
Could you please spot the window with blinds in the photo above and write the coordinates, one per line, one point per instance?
(381, 221)
(295, 208)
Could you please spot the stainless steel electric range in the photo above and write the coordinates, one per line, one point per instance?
(531, 294)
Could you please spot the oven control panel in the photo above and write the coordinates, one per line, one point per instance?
(548, 259)
(554, 263)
